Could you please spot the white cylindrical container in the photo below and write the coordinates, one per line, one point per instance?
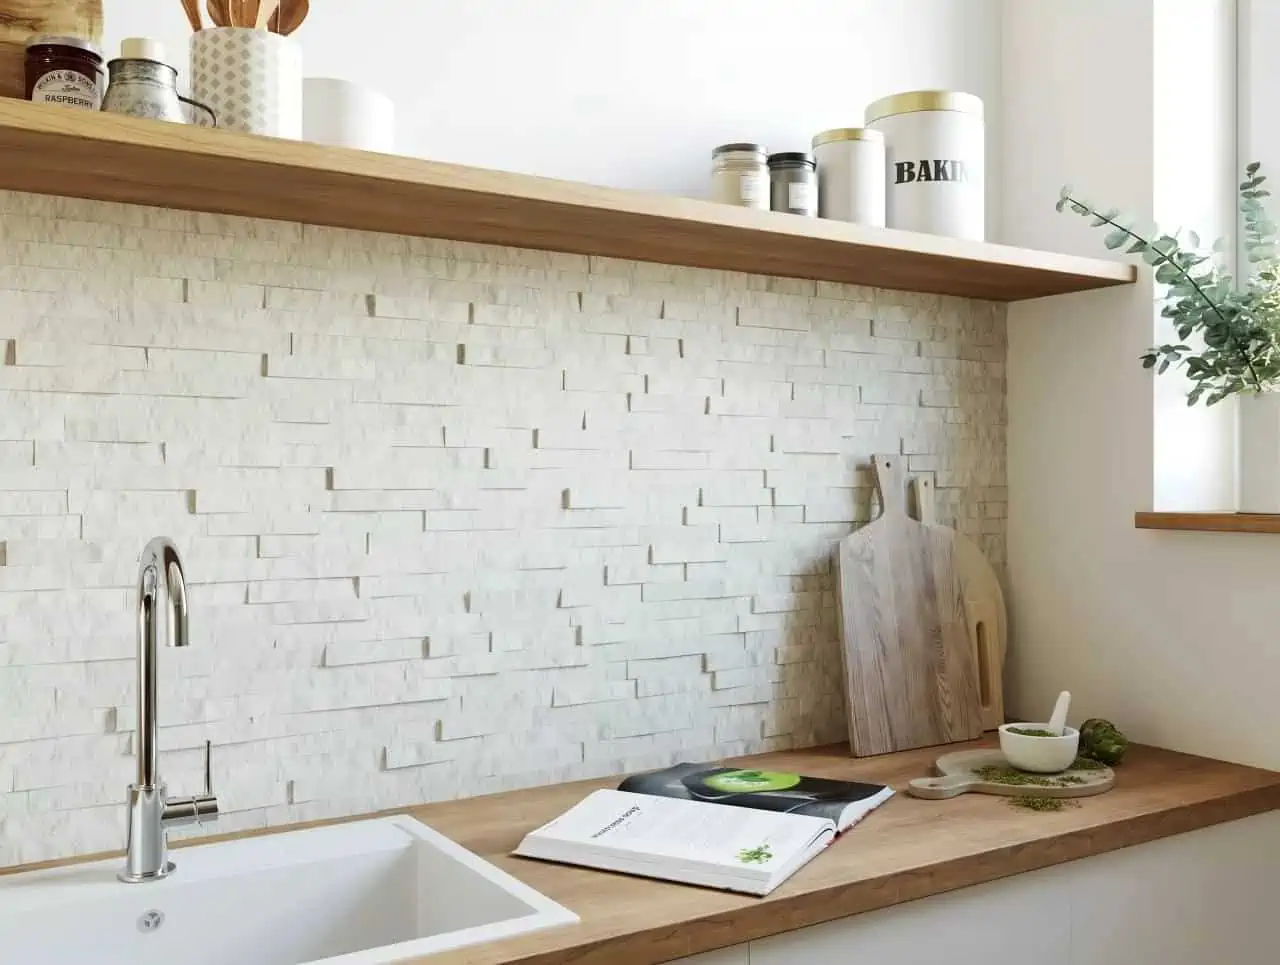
(851, 176)
(342, 114)
(935, 151)
(252, 79)
(740, 175)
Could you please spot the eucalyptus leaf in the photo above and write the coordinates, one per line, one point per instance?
(1228, 335)
(1116, 239)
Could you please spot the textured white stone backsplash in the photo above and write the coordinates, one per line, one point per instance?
(456, 518)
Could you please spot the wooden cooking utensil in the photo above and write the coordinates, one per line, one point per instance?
(958, 774)
(911, 673)
(220, 12)
(985, 612)
(20, 20)
(265, 11)
(290, 16)
(192, 10)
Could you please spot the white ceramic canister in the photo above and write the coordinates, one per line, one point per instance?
(252, 79)
(935, 153)
(851, 178)
(342, 114)
(740, 175)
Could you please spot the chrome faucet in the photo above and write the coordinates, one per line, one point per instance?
(162, 587)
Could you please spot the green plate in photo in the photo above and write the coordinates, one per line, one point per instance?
(744, 782)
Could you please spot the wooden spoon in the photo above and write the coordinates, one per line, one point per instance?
(220, 12)
(290, 16)
(266, 10)
(192, 10)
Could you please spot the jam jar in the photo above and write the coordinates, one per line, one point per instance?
(65, 70)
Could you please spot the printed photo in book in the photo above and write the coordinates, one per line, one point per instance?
(842, 802)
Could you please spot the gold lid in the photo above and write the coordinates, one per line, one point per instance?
(923, 100)
(847, 134)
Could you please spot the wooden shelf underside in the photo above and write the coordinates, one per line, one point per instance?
(52, 150)
(1209, 522)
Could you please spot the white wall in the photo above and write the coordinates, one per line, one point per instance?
(625, 93)
(1173, 635)
(456, 518)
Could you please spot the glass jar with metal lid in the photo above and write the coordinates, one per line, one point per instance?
(65, 70)
(935, 153)
(793, 183)
(851, 175)
(740, 175)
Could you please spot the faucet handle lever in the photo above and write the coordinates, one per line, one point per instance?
(199, 808)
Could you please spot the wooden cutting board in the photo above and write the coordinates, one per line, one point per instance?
(910, 673)
(22, 19)
(985, 613)
(958, 774)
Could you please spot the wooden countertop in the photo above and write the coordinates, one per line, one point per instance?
(907, 849)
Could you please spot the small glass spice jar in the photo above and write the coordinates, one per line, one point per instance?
(65, 70)
(740, 176)
(793, 183)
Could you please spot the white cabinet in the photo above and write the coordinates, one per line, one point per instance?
(1203, 898)
(1028, 912)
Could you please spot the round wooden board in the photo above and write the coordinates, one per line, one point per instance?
(958, 774)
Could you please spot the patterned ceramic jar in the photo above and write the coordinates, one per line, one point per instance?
(252, 79)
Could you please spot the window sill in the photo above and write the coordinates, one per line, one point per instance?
(1209, 522)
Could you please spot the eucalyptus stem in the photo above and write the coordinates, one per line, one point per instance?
(1166, 258)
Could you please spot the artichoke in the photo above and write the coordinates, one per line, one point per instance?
(1102, 741)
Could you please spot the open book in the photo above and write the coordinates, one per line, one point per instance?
(672, 824)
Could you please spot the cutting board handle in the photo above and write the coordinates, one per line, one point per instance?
(891, 480)
(926, 505)
(941, 788)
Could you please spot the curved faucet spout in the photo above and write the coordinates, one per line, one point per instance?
(162, 586)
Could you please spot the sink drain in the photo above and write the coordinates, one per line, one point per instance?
(149, 921)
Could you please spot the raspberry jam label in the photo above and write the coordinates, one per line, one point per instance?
(69, 87)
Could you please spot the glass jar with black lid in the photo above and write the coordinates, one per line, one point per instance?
(793, 183)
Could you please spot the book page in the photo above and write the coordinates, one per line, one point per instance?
(755, 841)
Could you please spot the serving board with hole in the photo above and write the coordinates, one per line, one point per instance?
(958, 773)
(20, 20)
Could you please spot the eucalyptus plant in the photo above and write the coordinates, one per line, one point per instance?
(1228, 336)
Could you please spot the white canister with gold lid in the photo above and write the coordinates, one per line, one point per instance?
(935, 153)
(851, 175)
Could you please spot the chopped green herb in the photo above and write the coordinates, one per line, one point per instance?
(1085, 764)
(1033, 732)
(1041, 803)
(998, 774)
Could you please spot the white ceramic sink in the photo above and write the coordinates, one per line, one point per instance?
(365, 893)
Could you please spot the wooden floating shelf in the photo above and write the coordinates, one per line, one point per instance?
(1209, 522)
(53, 150)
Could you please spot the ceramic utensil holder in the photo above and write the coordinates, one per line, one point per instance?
(252, 79)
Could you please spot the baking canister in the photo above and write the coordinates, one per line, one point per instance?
(740, 175)
(252, 79)
(934, 146)
(342, 114)
(793, 183)
(851, 175)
